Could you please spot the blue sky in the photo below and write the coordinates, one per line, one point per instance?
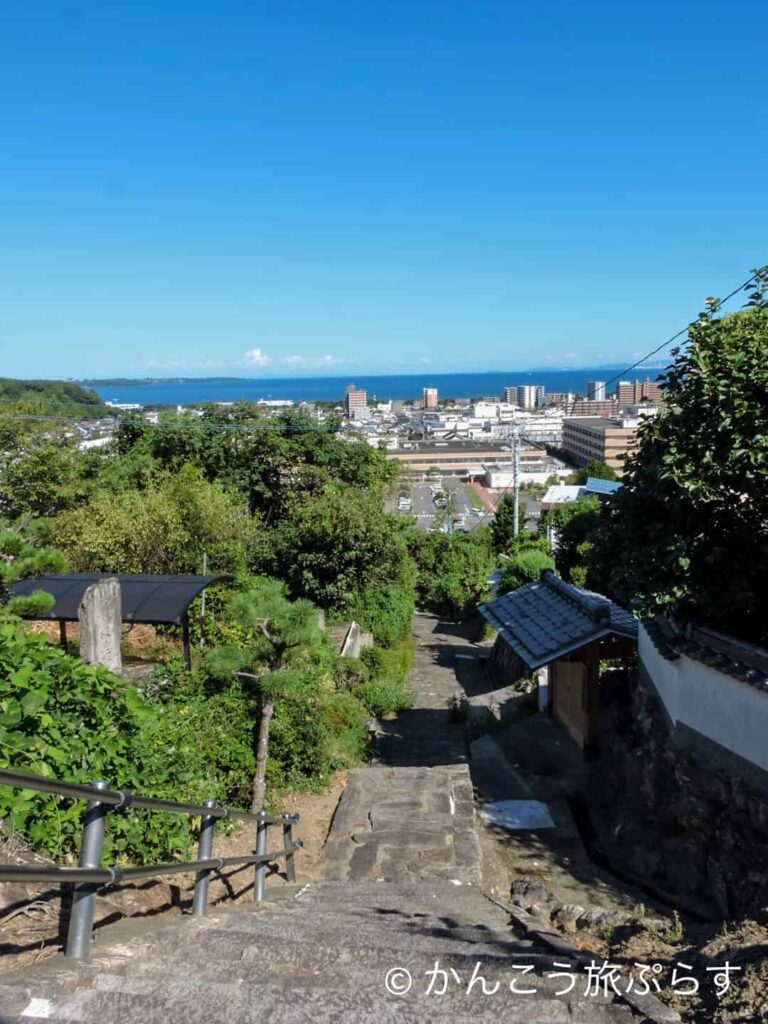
(274, 187)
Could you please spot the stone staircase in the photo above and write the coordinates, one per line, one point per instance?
(402, 893)
(321, 952)
(404, 896)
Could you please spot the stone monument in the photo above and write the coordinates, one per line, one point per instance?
(100, 615)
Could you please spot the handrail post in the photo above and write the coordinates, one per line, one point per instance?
(204, 852)
(290, 851)
(84, 897)
(261, 848)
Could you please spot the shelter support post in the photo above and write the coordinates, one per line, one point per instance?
(187, 646)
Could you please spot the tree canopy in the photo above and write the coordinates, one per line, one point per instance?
(688, 531)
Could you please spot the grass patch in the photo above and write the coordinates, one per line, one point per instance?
(474, 499)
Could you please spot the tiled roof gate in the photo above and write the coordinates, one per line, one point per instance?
(546, 620)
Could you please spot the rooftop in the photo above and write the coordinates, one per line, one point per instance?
(595, 485)
(560, 494)
(546, 620)
(596, 423)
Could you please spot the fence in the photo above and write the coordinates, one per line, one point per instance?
(89, 875)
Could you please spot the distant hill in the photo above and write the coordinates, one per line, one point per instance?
(54, 396)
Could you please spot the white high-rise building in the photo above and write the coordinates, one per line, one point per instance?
(526, 396)
(596, 390)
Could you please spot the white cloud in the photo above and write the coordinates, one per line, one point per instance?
(256, 357)
(425, 359)
(326, 360)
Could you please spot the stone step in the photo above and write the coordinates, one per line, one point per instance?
(85, 1005)
(364, 969)
(190, 1000)
(428, 896)
(467, 915)
(229, 942)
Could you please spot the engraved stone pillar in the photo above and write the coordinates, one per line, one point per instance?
(100, 615)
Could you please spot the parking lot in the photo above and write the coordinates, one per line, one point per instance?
(426, 498)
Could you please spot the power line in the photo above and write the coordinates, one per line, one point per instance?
(618, 376)
(680, 333)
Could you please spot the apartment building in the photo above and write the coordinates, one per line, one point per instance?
(429, 398)
(590, 437)
(356, 403)
(526, 396)
(632, 392)
(604, 408)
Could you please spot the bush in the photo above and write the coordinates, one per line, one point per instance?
(389, 662)
(524, 567)
(309, 739)
(385, 611)
(349, 673)
(384, 696)
(59, 717)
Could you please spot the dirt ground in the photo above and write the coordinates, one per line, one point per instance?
(139, 640)
(31, 919)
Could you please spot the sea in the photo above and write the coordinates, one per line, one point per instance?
(194, 391)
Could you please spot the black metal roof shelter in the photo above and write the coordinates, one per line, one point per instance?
(145, 598)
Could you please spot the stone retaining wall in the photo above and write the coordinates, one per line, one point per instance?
(689, 827)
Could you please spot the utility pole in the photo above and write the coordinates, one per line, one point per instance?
(516, 475)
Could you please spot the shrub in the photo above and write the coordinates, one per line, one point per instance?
(386, 611)
(384, 696)
(349, 673)
(524, 567)
(59, 717)
(389, 662)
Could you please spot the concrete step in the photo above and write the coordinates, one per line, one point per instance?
(424, 896)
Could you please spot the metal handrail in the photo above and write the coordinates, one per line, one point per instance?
(119, 798)
(113, 875)
(90, 875)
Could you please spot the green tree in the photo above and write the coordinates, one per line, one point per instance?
(452, 571)
(503, 524)
(573, 525)
(524, 566)
(272, 631)
(24, 552)
(596, 469)
(334, 548)
(688, 531)
(41, 476)
(164, 529)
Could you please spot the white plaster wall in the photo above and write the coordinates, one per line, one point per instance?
(716, 705)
